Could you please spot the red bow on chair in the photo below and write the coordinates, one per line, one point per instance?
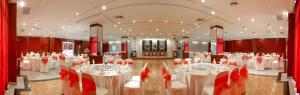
(176, 62)
(63, 73)
(110, 61)
(259, 60)
(45, 60)
(88, 85)
(167, 78)
(163, 70)
(62, 57)
(244, 57)
(73, 79)
(129, 62)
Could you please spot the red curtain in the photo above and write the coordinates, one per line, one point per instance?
(297, 46)
(3, 45)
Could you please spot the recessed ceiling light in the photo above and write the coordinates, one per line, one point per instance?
(252, 19)
(24, 24)
(239, 19)
(150, 20)
(115, 25)
(285, 13)
(133, 21)
(195, 23)
(35, 24)
(156, 29)
(213, 12)
(103, 7)
(181, 22)
(119, 22)
(280, 27)
(125, 31)
(202, 1)
(166, 21)
(182, 30)
(22, 3)
(77, 13)
(63, 27)
(121, 29)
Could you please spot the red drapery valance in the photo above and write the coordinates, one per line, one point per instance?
(3, 45)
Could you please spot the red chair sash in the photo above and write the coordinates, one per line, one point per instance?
(88, 86)
(45, 60)
(73, 78)
(129, 62)
(120, 62)
(62, 57)
(259, 60)
(221, 83)
(177, 62)
(167, 78)
(63, 73)
(163, 70)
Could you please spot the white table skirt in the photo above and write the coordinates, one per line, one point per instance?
(114, 82)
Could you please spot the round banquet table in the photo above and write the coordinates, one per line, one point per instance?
(109, 78)
(199, 75)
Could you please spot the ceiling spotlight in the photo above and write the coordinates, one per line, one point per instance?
(239, 19)
(195, 23)
(103, 7)
(119, 22)
(181, 22)
(121, 29)
(24, 24)
(252, 19)
(77, 13)
(280, 27)
(133, 21)
(63, 27)
(213, 12)
(156, 29)
(202, 1)
(35, 24)
(150, 20)
(125, 31)
(22, 3)
(115, 25)
(182, 30)
(166, 21)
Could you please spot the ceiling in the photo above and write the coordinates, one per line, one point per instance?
(154, 18)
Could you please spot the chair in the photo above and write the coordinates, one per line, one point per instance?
(136, 86)
(119, 61)
(129, 61)
(64, 79)
(172, 86)
(242, 80)
(74, 82)
(197, 60)
(177, 61)
(89, 86)
(234, 81)
(220, 86)
(44, 66)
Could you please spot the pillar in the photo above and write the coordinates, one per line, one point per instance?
(96, 36)
(290, 54)
(186, 47)
(216, 42)
(96, 33)
(124, 51)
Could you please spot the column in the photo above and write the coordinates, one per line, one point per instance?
(96, 36)
(186, 47)
(95, 39)
(124, 52)
(133, 47)
(216, 42)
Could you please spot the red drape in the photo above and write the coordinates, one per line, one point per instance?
(297, 46)
(93, 45)
(3, 45)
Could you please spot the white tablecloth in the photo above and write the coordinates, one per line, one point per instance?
(198, 76)
(111, 79)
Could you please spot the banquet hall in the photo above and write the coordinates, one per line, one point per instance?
(149, 47)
